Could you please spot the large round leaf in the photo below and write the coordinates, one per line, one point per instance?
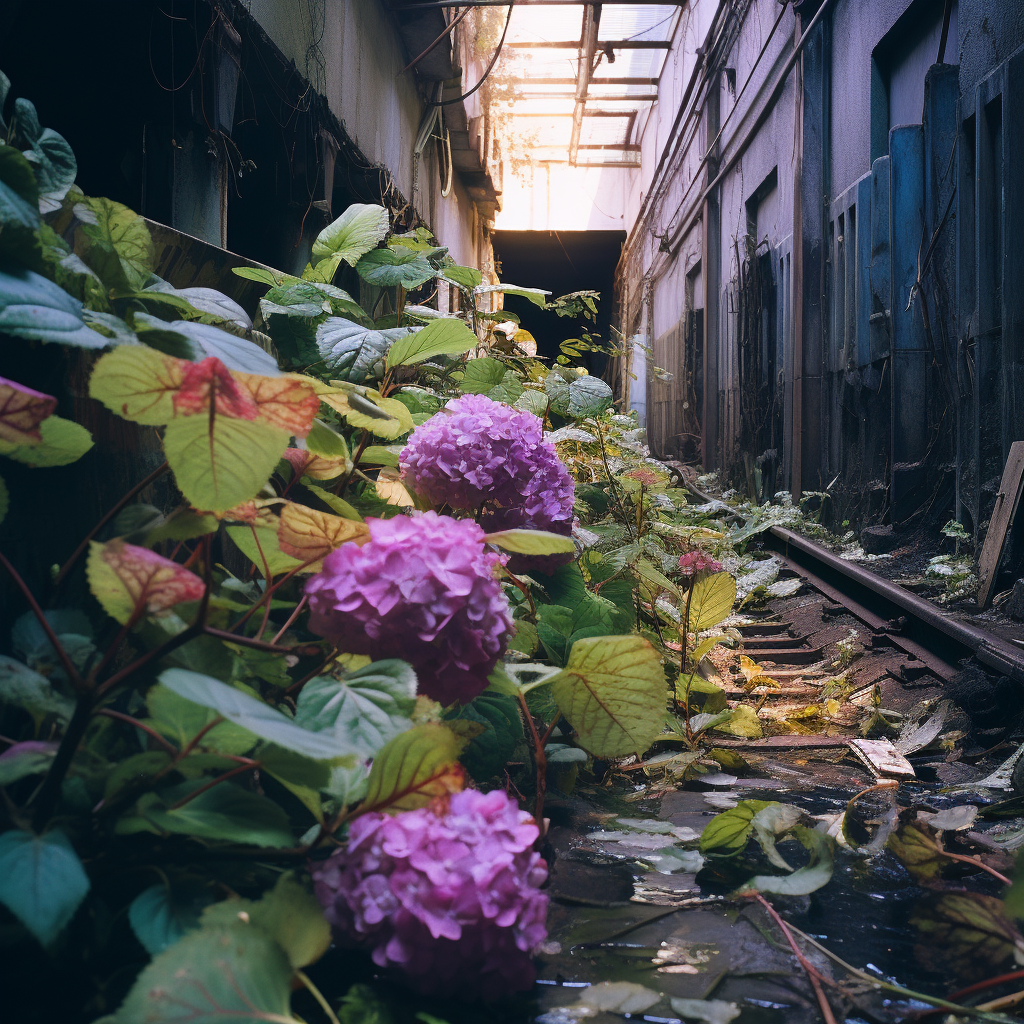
(219, 464)
(236, 973)
(612, 692)
(34, 308)
(354, 233)
(386, 268)
(351, 350)
(711, 601)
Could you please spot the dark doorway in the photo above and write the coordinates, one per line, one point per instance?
(561, 262)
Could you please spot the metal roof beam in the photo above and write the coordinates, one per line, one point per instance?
(585, 65)
(604, 44)
(593, 81)
(593, 99)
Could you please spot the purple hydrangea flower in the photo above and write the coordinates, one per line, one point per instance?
(424, 588)
(450, 899)
(477, 451)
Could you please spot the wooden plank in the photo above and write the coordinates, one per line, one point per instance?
(1007, 501)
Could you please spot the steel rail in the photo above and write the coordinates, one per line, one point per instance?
(926, 624)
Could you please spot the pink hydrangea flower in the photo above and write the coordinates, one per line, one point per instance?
(422, 588)
(694, 562)
(449, 898)
(479, 453)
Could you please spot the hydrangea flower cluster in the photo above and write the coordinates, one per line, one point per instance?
(449, 899)
(694, 562)
(423, 586)
(481, 454)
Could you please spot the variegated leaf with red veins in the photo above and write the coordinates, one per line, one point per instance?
(130, 581)
(138, 383)
(21, 412)
(415, 768)
(316, 467)
(211, 379)
(309, 535)
(287, 402)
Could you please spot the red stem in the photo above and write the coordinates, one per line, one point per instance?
(141, 486)
(73, 674)
(248, 766)
(541, 764)
(290, 620)
(110, 713)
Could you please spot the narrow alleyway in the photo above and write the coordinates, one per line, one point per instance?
(509, 512)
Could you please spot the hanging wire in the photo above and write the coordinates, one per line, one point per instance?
(489, 69)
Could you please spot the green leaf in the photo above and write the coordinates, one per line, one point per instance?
(264, 275)
(812, 876)
(918, 849)
(533, 401)
(712, 601)
(260, 545)
(236, 974)
(465, 277)
(181, 720)
(358, 230)
(19, 193)
(362, 1005)
(252, 714)
(34, 308)
(440, 337)
(55, 167)
(324, 440)
(42, 881)
(21, 686)
(64, 442)
(726, 834)
(332, 501)
(414, 768)
(160, 916)
(235, 353)
(770, 822)
(117, 243)
(32, 757)
(364, 710)
(532, 542)
(225, 812)
(352, 350)
(386, 268)
(536, 295)
(220, 464)
(742, 722)
(612, 692)
(480, 375)
(379, 455)
(487, 754)
(577, 396)
(289, 914)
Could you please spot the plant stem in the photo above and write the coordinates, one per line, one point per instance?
(49, 792)
(942, 1004)
(342, 485)
(77, 553)
(978, 864)
(247, 767)
(318, 996)
(540, 764)
(611, 481)
(813, 975)
(151, 732)
(525, 590)
(297, 687)
(73, 674)
(290, 620)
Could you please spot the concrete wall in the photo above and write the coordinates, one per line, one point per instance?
(352, 54)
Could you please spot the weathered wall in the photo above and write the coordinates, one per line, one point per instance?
(349, 51)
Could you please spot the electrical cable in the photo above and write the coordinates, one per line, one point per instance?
(488, 70)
